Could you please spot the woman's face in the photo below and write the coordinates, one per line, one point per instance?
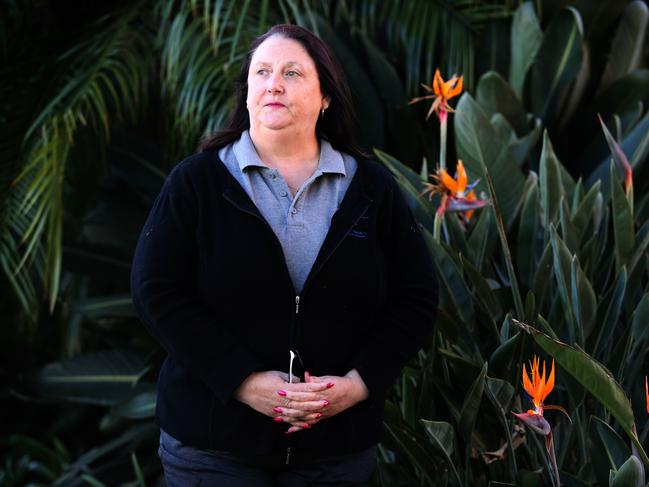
(283, 87)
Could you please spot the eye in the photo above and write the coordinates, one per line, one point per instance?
(292, 73)
(262, 71)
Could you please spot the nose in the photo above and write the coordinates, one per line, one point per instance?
(275, 83)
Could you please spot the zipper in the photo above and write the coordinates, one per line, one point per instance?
(288, 455)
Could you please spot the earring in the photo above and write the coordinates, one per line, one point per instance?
(322, 112)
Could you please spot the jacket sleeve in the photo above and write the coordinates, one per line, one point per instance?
(412, 300)
(163, 288)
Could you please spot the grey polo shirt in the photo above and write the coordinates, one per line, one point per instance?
(301, 223)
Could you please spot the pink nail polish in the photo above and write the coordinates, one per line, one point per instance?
(307, 426)
(318, 416)
(325, 403)
(330, 385)
(277, 419)
(278, 409)
(281, 393)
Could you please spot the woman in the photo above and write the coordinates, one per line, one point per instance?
(286, 279)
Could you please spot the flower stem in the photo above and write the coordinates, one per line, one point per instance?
(443, 122)
(437, 225)
(549, 446)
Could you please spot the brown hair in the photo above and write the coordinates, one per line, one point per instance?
(338, 124)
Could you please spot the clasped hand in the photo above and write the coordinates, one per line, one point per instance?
(301, 404)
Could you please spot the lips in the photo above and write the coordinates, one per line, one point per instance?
(275, 105)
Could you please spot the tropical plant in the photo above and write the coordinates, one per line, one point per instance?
(560, 260)
(554, 263)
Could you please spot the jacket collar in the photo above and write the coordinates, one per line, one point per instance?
(355, 203)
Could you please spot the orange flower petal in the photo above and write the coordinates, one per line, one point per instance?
(549, 385)
(457, 89)
(438, 83)
(448, 182)
(461, 177)
(527, 385)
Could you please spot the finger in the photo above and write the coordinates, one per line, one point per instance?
(292, 413)
(307, 376)
(296, 392)
(293, 429)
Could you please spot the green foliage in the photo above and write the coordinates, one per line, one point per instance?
(122, 100)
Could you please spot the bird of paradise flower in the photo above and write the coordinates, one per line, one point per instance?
(538, 386)
(441, 92)
(456, 195)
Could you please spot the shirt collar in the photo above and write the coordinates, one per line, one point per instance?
(331, 160)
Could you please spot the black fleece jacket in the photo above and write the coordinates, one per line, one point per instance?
(210, 283)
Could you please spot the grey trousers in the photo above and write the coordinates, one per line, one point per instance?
(185, 466)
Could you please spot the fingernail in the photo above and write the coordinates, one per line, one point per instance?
(278, 409)
(330, 385)
(307, 426)
(325, 403)
(281, 392)
(277, 419)
(289, 432)
(318, 416)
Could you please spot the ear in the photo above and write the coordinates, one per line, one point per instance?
(326, 101)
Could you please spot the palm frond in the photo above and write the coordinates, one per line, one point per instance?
(102, 78)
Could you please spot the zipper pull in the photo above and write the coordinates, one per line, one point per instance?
(297, 304)
(288, 455)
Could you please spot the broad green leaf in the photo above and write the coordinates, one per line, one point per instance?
(405, 442)
(639, 333)
(481, 151)
(556, 65)
(494, 95)
(623, 232)
(568, 230)
(550, 181)
(609, 450)
(594, 378)
(543, 275)
(504, 245)
(519, 149)
(584, 301)
(452, 286)
(442, 435)
(561, 265)
(141, 405)
(503, 130)
(501, 392)
(471, 405)
(482, 239)
(411, 186)
(628, 43)
(104, 378)
(483, 291)
(613, 302)
(630, 474)
(526, 38)
(528, 233)
(582, 217)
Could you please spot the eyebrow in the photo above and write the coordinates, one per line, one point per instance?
(288, 64)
